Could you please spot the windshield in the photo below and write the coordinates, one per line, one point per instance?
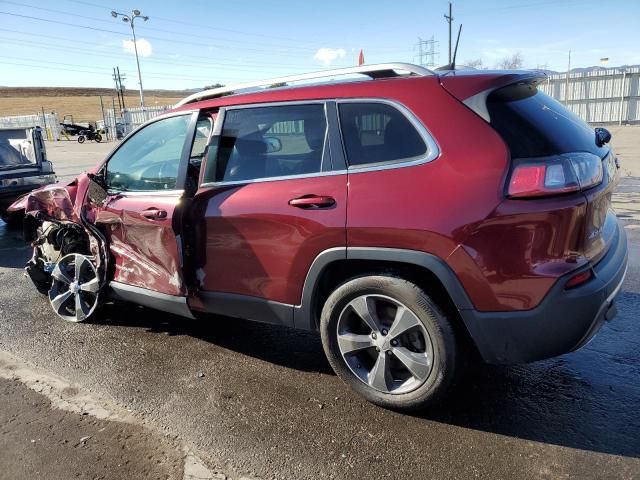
(16, 149)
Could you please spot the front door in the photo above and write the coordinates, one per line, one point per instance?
(271, 200)
(145, 179)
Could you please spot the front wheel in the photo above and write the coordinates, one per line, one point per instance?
(98, 138)
(81, 138)
(388, 341)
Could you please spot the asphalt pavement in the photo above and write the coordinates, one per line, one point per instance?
(259, 400)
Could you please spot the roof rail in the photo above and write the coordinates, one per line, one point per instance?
(381, 70)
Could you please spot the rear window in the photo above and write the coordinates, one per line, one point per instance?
(535, 125)
(378, 133)
(15, 149)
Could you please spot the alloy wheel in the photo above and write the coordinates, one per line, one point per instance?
(74, 289)
(385, 344)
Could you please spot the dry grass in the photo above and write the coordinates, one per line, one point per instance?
(83, 104)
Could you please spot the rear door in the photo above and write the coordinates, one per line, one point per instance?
(272, 198)
(145, 179)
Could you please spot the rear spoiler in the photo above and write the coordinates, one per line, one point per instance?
(472, 87)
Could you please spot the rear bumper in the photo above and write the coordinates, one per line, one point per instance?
(564, 321)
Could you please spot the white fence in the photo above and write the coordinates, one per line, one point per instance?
(131, 118)
(49, 123)
(605, 96)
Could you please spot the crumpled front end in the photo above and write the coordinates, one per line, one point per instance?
(58, 222)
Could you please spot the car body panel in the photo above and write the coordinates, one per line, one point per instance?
(145, 250)
(259, 245)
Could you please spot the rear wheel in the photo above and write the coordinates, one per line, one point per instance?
(387, 340)
(98, 138)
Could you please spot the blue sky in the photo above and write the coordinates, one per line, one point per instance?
(191, 43)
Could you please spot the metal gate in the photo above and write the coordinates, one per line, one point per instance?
(49, 123)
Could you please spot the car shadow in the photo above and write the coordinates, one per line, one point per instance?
(297, 349)
(587, 399)
(14, 251)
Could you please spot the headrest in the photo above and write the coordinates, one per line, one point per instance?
(314, 132)
(252, 144)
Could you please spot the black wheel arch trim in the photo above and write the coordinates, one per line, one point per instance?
(303, 313)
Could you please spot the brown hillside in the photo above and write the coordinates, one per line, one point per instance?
(82, 103)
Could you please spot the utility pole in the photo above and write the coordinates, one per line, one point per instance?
(115, 119)
(104, 119)
(566, 85)
(115, 79)
(121, 86)
(130, 19)
(449, 19)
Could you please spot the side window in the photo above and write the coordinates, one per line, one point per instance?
(376, 133)
(149, 160)
(264, 142)
(201, 139)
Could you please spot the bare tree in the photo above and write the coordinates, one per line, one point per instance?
(215, 85)
(513, 62)
(476, 63)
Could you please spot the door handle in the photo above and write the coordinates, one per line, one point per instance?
(312, 201)
(154, 214)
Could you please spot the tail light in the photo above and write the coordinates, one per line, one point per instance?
(568, 172)
(579, 279)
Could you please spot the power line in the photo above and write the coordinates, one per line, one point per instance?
(200, 25)
(158, 75)
(522, 5)
(121, 56)
(148, 28)
(30, 17)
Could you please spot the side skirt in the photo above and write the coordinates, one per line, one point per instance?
(149, 298)
(247, 307)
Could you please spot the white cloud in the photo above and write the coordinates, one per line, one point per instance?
(328, 55)
(144, 47)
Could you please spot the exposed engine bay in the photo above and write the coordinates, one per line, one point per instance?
(54, 240)
(70, 255)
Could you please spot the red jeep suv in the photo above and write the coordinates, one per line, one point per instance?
(408, 216)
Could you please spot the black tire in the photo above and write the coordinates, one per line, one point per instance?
(98, 138)
(442, 340)
(81, 138)
(13, 219)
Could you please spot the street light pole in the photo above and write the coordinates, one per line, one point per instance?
(131, 20)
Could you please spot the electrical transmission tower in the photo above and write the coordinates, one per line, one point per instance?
(427, 52)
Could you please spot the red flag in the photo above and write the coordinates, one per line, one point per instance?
(361, 58)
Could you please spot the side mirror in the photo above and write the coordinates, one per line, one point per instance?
(273, 144)
(602, 136)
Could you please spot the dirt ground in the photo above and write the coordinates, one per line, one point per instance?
(39, 441)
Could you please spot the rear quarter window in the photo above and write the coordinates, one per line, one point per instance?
(532, 124)
(375, 133)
